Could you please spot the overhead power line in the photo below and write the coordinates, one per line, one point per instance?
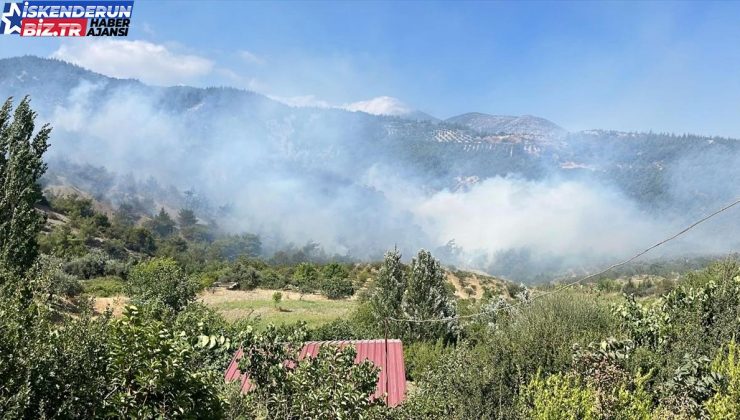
(568, 285)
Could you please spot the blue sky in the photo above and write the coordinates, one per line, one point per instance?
(631, 66)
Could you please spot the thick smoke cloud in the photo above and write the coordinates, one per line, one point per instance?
(297, 175)
(560, 218)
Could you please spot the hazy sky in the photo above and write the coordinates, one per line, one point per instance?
(631, 66)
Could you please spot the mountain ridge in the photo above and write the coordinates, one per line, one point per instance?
(339, 167)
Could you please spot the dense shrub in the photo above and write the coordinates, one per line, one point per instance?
(61, 242)
(725, 404)
(115, 248)
(423, 357)
(116, 268)
(153, 372)
(161, 281)
(483, 380)
(339, 329)
(306, 277)
(695, 318)
(557, 397)
(140, 240)
(72, 205)
(334, 270)
(232, 247)
(247, 277)
(88, 266)
(337, 287)
(103, 286)
(271, 279)
(67, 285)
(50, 369)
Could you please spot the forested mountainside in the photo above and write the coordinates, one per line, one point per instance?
(259, 165)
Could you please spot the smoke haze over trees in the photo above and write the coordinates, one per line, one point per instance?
(511, 192)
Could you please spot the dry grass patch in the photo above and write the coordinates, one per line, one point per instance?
(115, 303)
(313, 309)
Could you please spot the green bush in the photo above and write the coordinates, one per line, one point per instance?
(50, 367)
(695, 318)
(72, 205)
(115, 248)
(88, 266)
(161, 281)
(482, 380)
(61, 242)
(339, 329)
(247, 277)
(422, 357)
(64, 284)
(153, 372)
(333, 270)
(306, 277)
(469, 382)
(103, 286)
(725, 404)
(140, 240)
(116, 268)
(337, 287)
(272, 279)
(557, 397)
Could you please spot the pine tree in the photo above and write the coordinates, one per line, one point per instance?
(186, 218)
(162, 224)
(426, 298)
(21, 167)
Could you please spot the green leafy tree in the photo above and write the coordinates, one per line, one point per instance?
(240, 272)
(232, 247)
(337, 287)
(21, 167)
(52, 365)
(334, 270)
(336, 283)
(426, 297)
(161, 281)
(328, 385)
(155, 373)
(306, 277)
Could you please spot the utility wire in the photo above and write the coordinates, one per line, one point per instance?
(565, 286)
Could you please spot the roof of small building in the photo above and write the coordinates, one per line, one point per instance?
(386, 355)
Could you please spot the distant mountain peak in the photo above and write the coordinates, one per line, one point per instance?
(509, 124)
(388, 106)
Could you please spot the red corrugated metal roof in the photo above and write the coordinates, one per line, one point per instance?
(372, 350)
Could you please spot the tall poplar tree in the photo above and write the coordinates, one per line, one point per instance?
(21, 167)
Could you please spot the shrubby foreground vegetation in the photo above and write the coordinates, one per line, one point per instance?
(584, 354)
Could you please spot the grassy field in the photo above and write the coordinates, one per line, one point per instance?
(235, 304)
(313, 309)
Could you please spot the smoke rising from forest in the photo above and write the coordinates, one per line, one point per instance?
(292, 176)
